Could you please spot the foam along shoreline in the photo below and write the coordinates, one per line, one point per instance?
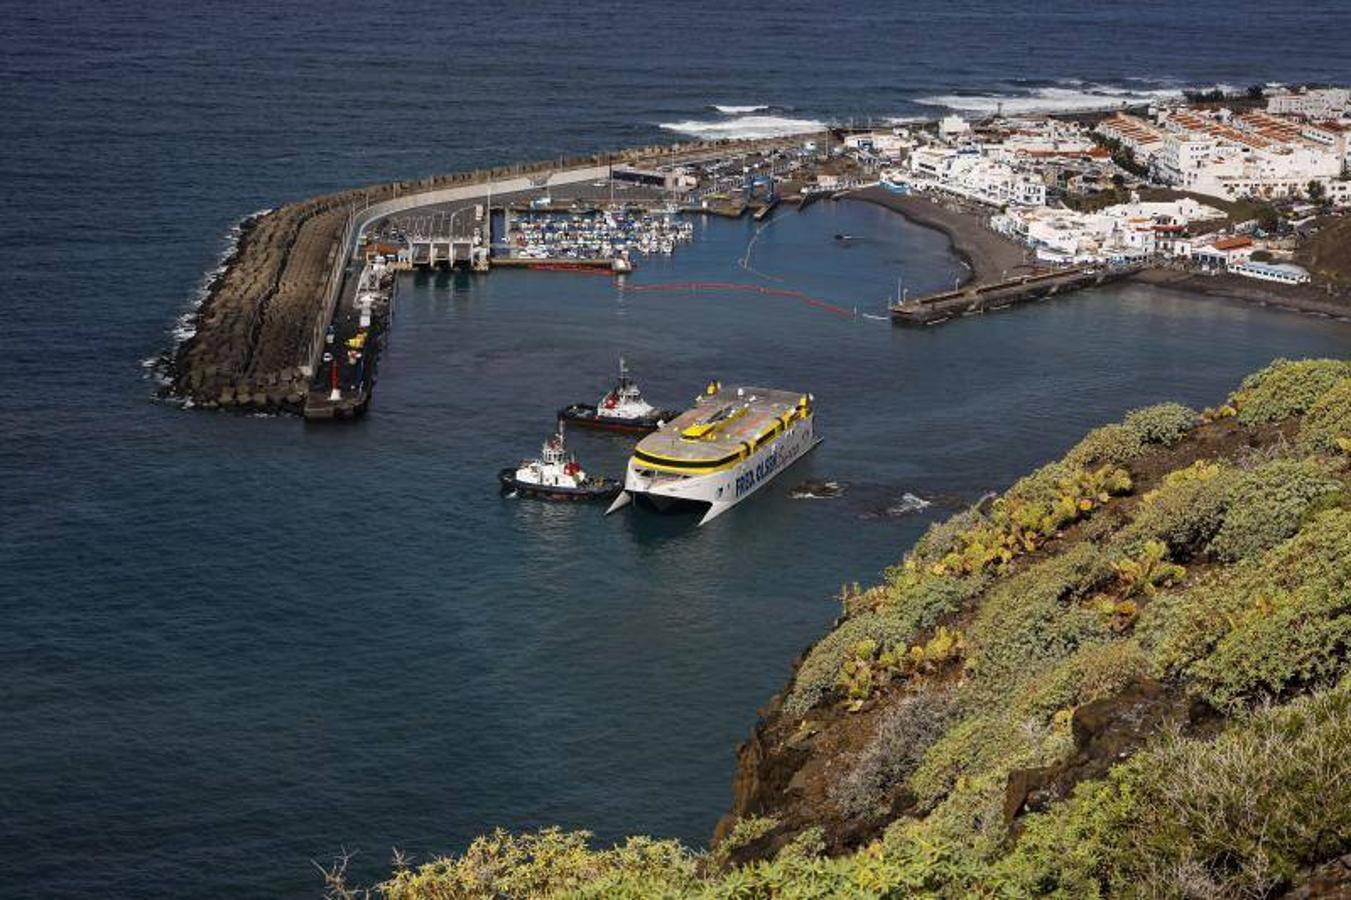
(1068, 97)
(744, 127)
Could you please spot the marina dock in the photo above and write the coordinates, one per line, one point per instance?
(259, 334)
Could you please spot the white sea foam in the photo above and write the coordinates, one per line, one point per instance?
(1073, 96)
(185, 326)
(744, 127)
(907, 504)
(738, 110)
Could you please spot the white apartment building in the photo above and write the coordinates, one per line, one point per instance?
(1319, 103)
(1124, 232)
(952, 126)
(886, 144)
(1281, 273)
(967, 173)
(1143, 139)
(1252, 155)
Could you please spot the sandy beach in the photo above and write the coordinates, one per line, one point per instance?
(988, 256)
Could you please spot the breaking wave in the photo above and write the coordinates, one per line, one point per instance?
(1069, 95)
(742, 127)
(738, 110)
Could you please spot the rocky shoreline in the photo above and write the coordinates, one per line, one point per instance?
(1291, 298)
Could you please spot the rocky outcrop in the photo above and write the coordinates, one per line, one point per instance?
(1105, 732)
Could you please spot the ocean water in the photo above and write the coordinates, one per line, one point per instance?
(232, 645)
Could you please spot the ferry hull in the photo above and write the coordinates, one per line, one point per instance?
(718, 492)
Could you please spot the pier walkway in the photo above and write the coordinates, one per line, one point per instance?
(974, 299)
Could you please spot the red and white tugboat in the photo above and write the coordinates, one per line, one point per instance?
(556, 475)
(622, 409)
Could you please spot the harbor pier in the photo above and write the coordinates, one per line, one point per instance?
(979, 298)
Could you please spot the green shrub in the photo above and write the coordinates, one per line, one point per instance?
(1328, 420)
(746, 830)
(923, 598)
(1040, 487)
(1237, 816)
(1184, 511)
(550, 862)
(942, 538)
(1286, 388)
(1034, 618)
(819, 673)
(1271, 623)
(1265, 505)
(1163, 423)
(1115, 444)
(1028, 725)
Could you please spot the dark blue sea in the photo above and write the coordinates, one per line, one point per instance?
(230, 646)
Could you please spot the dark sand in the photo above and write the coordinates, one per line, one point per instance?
(988, 256)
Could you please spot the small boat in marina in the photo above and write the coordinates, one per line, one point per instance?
(622, 409)
(555, 475)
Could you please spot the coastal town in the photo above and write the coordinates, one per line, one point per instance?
(1243, 194)
(1240, 185)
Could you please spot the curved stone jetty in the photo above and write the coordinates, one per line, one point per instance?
(260, 328)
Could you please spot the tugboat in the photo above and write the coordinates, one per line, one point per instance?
(622, 409)
(555, 476)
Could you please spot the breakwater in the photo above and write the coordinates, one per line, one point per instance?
(257, 336)
(935, 308)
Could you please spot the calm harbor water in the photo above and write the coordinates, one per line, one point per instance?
(231, 645)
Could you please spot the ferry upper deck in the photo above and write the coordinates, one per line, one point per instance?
(725, 426)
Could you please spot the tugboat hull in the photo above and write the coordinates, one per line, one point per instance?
(598, 489)
(584, 415)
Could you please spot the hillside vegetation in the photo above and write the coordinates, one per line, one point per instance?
(1126, 676)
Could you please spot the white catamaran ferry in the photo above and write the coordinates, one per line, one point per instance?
(713, 456)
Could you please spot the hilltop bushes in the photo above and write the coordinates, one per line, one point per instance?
(820, 671)
(1238, 816)
(1114, 444)
(1265, 506)
(1163, 423)
(1286, 388)
(1119, 445)
(1273, 623)
(1184, 511)
(1327, 427)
